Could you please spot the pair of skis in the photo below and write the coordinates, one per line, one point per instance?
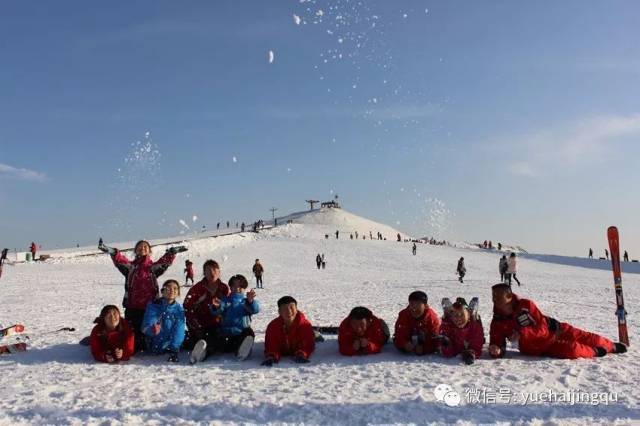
(14, 347)
(621, 313)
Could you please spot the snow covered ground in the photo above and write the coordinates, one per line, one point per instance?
(58, 382)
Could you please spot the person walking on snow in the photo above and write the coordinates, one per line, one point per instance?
(626, 256)
(461, 269)
(590, 253)
(3, 257)
(512, 269)
(521, 322)
(502, 267)
(188, 269)
(257, 271)
(606, 253)
(318, 260)
(33, 248)
(414, 249)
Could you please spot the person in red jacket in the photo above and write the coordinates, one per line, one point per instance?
(417, 326)
(289, 334)
(188, 269)
(208, 292)
(461, 334)
(112, 340)
(141, 281)
(362, 333)
(33, 248)
(520, 321)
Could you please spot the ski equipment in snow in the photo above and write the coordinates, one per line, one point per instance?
(621, 313)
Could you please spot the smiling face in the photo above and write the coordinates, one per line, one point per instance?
(288, 312)
(170, 291)
(143, 249)
(359, 326)
(459, 317)
(111, 319)
(417, 308)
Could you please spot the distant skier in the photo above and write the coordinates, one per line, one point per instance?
(414, 249)
(399, 237)
(512, 269)
(461, 269)
(3, 256)
(33, 248)
(499, 246)
(218, 226)
(227, 224)
(362, 333)
(502, 267)
(626, 256)
(242, 227)
(318, 260)
(257, 271)
(356, 234)
(520, 321)
(590, 253)
(606, 253)
(323, 261)
(351, 236)
(188, 270)
(490, 245)
(337, 233)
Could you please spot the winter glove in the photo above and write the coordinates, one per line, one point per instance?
(525, 319)
(468, 357)
(299, 359)
(553, 324)
(268, 362)
(176, 250)
(106, 249)
(173, 357)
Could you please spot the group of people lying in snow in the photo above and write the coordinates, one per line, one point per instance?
(218, 319)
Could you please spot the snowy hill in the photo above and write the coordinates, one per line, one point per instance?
(58, 382)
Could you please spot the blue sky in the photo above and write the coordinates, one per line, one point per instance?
(473, 120)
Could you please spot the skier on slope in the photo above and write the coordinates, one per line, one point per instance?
(414, 249)
(520, 321)
(417, 326)
(461, 269)
(141, 280)
(461, 334)
(362, 333)
(291, 334)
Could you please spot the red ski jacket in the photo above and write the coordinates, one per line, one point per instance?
(535, 338)
(197, 306)
(374, 334)
(141, 283)
(470, 336)
(189, 271)
(425, 328)
(103, 342)
(299, 339)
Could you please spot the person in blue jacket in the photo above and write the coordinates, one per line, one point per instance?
(236, 310)
(164, 323)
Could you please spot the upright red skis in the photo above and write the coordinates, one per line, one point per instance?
(614, 248)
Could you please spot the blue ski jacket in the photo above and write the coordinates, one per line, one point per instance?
(236, 313)
(172, 326)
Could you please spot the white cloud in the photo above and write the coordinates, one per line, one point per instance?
(10, 172)
(577, 144)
